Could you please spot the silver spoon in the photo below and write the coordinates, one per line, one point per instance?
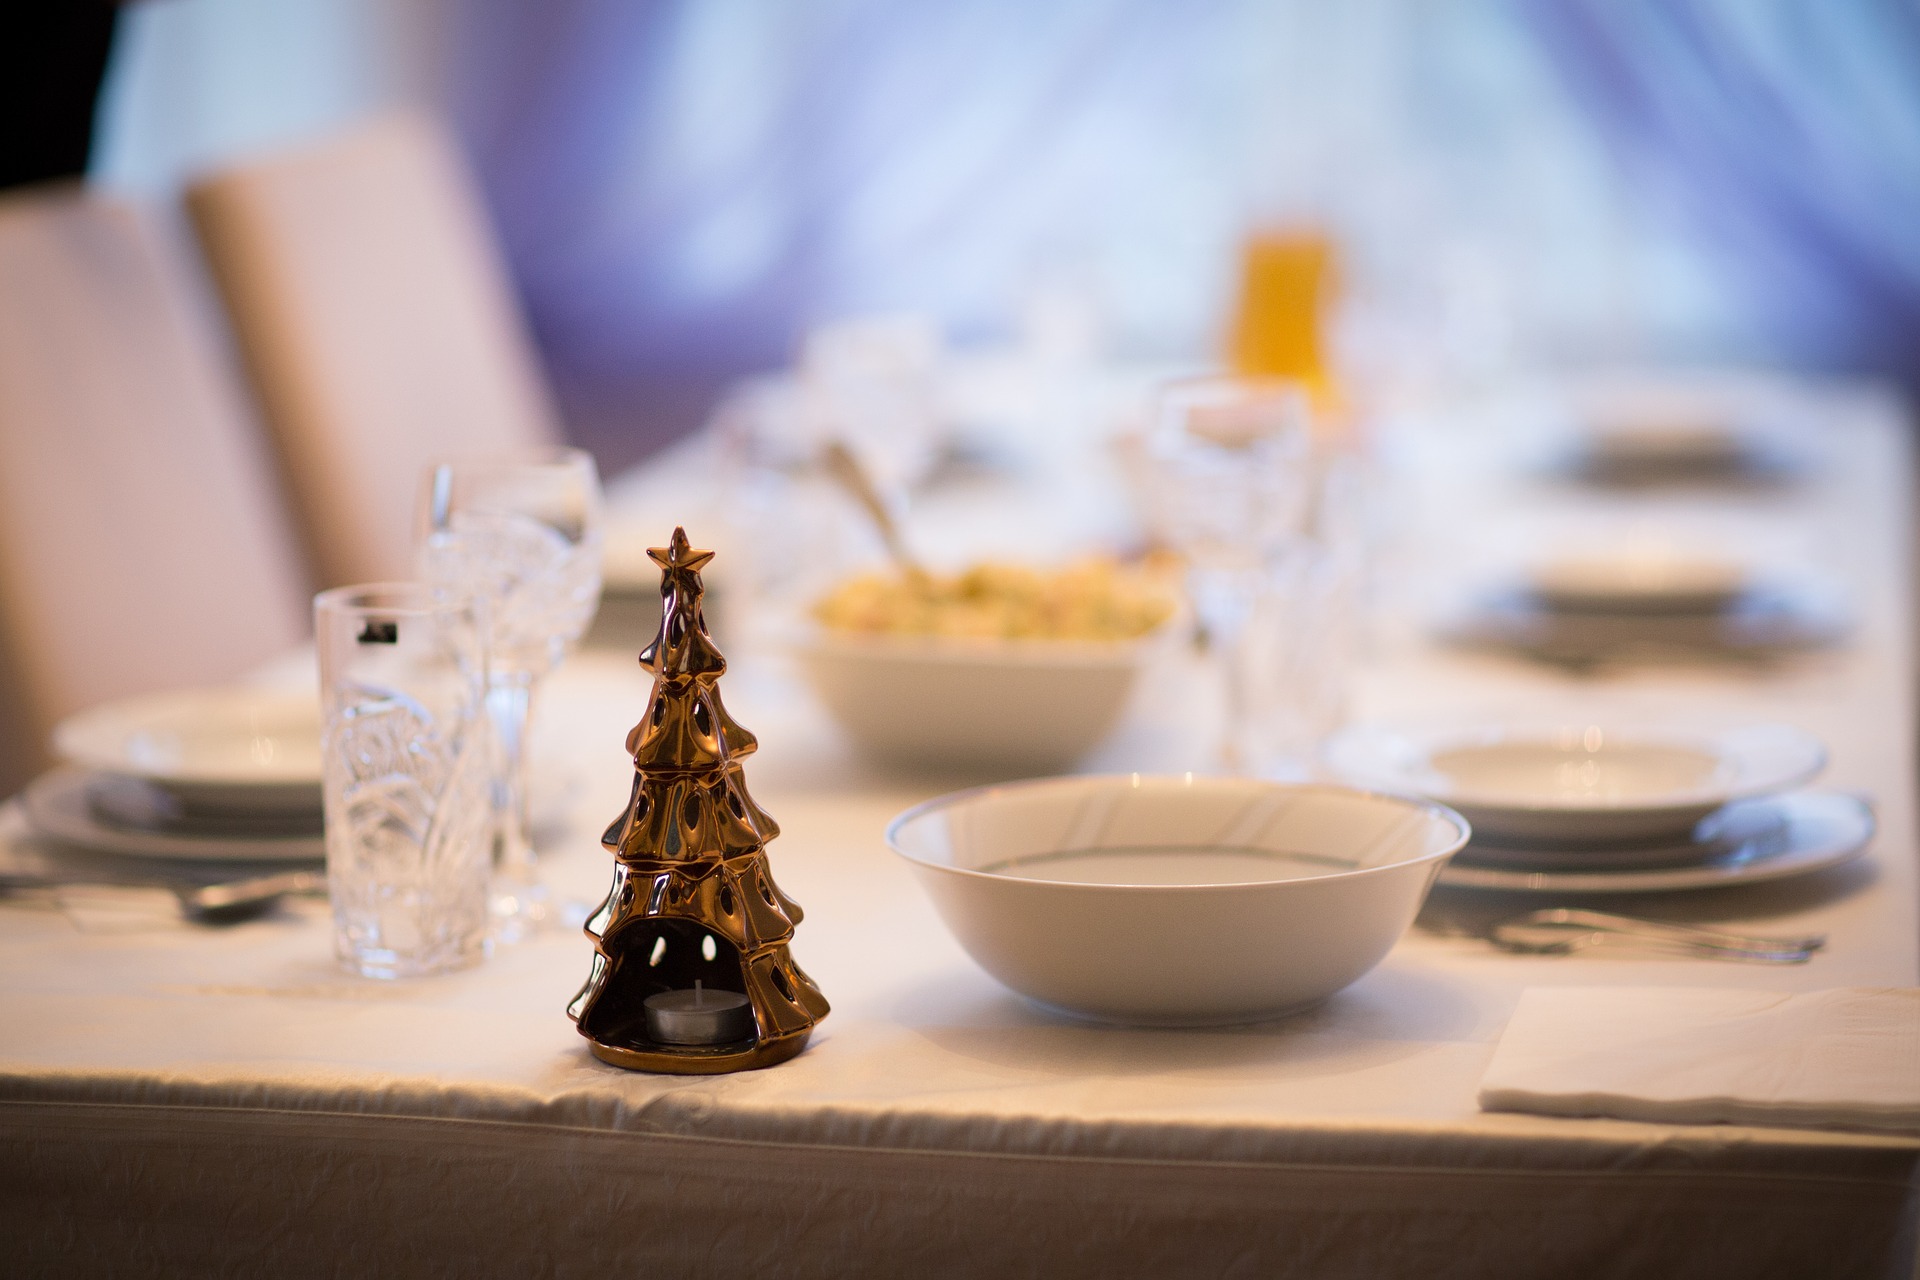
(227, 902)
(236, 900)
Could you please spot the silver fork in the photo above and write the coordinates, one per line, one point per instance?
(1562, 930)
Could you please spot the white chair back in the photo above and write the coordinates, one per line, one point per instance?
(375, 315)
(142, 541)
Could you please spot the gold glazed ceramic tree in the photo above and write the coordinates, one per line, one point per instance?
(693, 903)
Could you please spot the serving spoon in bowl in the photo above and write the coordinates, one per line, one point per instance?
(845, 470)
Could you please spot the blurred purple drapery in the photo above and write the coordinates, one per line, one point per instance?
(682, 188)
(1790, 133)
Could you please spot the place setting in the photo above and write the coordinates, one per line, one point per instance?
(1646, 598)
(1575, 807)
(221, 774)
(211, 794)
(1640, 434)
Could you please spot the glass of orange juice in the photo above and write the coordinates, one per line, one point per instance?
(1287, 283)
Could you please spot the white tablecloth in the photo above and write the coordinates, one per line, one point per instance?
(182, 1100)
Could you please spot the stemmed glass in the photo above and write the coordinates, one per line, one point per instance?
(1226, 478)
(522, 534)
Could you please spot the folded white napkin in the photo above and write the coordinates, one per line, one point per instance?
(1846, 1058)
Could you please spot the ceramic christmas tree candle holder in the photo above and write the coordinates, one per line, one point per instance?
(694, 926)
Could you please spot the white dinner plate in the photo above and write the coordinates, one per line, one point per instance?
(1684, 440)
(1718, 834)
(1638, 581)
(237, 746)
(1821, 830)
(1763, 624)
(1580, 785)
(1628, 460)
(1662, 432)
(120, 801)
(56, 805)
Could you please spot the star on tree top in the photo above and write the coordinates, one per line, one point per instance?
(679, 555)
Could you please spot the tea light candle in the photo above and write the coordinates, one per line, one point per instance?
(699, 1016)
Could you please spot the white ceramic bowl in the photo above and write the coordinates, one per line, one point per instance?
(236, 746)
(1176, 901)
(1009, 707)
(1662, 425)
(1575, 785)
(1639, 581)
(1709, 429)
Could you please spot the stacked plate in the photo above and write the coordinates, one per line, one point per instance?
(1585, 808)
(1595, 606)
(212, 774)
(1666, 433)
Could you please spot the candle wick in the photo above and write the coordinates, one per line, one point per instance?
(699, 993)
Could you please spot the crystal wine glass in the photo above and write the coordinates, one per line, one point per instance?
(1226, 481)
(522, 534)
